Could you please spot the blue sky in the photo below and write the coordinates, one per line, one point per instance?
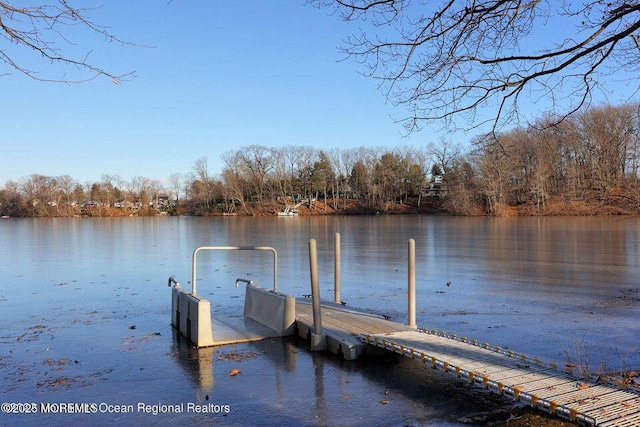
(222, 75)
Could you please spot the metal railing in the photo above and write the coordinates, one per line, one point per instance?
(248, 282)
(234, 248)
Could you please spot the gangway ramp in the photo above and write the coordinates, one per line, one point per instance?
(239, 329)
(343, 326)
(530, 381)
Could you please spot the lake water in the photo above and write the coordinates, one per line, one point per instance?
(85, 312)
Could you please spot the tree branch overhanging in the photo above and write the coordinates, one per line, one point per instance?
(482, 61)
(43, 30)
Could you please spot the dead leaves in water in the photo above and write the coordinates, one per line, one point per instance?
(237, 356)
(134, 342)
(61, 383)
(34, 333)
(52, 362)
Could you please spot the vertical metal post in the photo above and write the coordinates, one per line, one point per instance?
(318, 341)
(336, 268)
(412, 284)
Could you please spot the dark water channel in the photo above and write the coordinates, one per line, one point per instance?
(85, 312)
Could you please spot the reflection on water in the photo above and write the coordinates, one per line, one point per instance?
(84, 303)
(282, 383)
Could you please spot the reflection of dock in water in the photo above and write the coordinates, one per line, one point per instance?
(352, 334)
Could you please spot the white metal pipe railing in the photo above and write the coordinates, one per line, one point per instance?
(172, 280)
(315, 288)
(411, 280)
(233, 248)
(318, 339)
(336, 268)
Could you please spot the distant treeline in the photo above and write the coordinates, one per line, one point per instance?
(586, 164)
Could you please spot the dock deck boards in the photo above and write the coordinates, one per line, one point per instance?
(347, 321)
(352, 333)
(530, 381)
(343, 326)
(527, 380)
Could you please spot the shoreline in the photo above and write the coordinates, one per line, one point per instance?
(410, 206)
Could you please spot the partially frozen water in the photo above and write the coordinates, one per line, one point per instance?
(85, 313)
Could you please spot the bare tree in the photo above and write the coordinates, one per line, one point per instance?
(177, 182)
(65, 187)
(44, 30)
(608, 133)
(260, 161)
(201, 170)
(414, 163)
(347, 160)
(358, 179)
(340, 162)
(281, 174)
(323, 176)
(462, 193)
(235, 178)
(11, 201)
(38, 191)
(307, 155)
(291, 154)
(137, 188)
(495, 171)
(387, 175)
(444, 154)
(480, 60)
(361, 177)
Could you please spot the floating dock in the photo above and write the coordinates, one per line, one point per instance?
(584, 400)
(350, 333)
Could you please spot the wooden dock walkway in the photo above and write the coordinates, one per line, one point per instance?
(585, 400)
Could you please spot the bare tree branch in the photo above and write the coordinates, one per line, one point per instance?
(43, 29)
(468, 63)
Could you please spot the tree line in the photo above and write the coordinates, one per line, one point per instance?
(591, 159)
(587, 161)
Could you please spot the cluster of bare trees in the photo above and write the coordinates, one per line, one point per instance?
(255, 175)
(38, 195)
(593, 157)
(253, 178)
